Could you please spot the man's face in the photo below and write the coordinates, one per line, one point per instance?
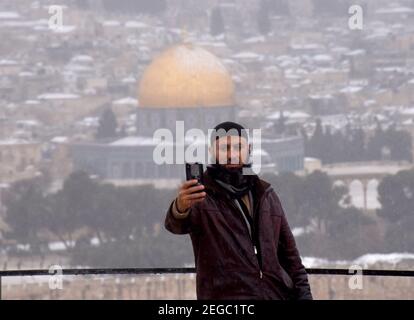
(231, 151)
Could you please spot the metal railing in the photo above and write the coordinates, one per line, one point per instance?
(139, 271)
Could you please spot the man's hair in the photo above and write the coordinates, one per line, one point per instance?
(226, 129)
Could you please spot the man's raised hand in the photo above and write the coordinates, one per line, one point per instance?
(188, 194)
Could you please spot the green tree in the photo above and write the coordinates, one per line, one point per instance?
(70, 207)
(399, 143)
(307, 199)
(375, 143)
(316, 144)
(107, 125)
(396, 196)
(26, 206)
(352, 234)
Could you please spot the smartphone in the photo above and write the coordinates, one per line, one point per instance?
(194, 171)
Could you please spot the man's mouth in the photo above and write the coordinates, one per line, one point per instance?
(232, 165)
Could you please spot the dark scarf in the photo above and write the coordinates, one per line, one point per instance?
(232, 180)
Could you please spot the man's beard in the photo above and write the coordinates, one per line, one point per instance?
(231, 175)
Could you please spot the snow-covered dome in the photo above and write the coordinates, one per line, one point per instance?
(186, 76)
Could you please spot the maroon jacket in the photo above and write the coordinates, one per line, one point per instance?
(226, 264)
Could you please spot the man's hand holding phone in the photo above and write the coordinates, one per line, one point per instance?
(189, 193)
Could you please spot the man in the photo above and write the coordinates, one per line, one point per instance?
(242, 243)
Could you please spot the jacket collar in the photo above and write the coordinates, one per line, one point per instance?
(260, 187)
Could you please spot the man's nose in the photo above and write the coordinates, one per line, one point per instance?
(233, 160)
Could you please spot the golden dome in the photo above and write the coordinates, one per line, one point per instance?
(186, 76)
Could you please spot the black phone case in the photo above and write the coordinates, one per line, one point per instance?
(190, 176)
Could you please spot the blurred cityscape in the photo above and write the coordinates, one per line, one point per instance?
(80, 102)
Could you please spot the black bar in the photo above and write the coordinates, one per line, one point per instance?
(131, 271)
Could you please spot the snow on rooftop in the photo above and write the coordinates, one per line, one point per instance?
(111, 23)
(379, 34)
(351, 89)
(253, 40)
(215, 43)
(394, 10)
(7, 62)
(391, 69)
(9, 15)
(57, 96)
(13, 141)
(82, 58)
(340, 49)
(59, 139)
(271, 68)
(247, 55)
(126, 101)
(135, 24)
(59, 245)
(26, 74)
(320, 96)
(64, 29)
(31, 102)
(370, 102)
(356, 52)
(130, 79)
(89, 122)
(397, 26)
(196, 59)
(32, 123)
(296, 71)
(135, 141)
(348, 169)
(322, 58)
(407, 111)
(260, 152)
(327, 70)
(152, 141)
(289, 114)
(306, 46)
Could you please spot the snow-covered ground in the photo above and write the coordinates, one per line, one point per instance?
(364, 261)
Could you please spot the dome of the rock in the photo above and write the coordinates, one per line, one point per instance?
(186, 76)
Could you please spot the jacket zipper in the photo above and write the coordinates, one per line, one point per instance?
(260, 269)
(254, 247)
